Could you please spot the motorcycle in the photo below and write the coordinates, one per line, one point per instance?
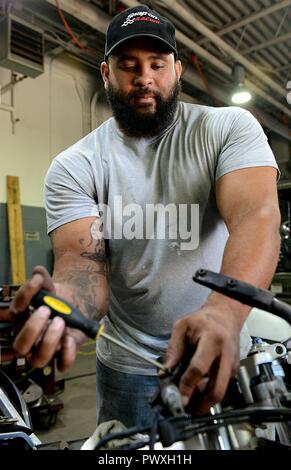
(255, 413)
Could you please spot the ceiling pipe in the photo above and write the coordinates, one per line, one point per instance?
(83, 11)
(218, 42)
(265, 44)
(250, 19)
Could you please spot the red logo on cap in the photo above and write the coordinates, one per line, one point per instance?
(146, 19)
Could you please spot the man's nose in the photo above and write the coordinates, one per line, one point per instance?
(143, 78)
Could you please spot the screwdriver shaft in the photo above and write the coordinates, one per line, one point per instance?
(134, 351)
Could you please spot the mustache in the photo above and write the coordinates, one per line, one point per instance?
(142, 92)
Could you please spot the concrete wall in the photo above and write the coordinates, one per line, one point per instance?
(54, 112)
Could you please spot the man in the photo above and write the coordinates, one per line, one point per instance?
(155, 150)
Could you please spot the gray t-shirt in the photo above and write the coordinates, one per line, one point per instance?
(151, 279)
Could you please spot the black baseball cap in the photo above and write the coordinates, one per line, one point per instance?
(140, 21)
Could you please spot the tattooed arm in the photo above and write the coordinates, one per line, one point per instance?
(80, 276)
(81, 265)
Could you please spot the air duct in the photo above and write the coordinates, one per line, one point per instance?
(22, 46)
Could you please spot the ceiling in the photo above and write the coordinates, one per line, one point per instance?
(211, 36)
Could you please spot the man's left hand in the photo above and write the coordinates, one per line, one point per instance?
(213, 333)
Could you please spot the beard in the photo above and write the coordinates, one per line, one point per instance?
(143, 124)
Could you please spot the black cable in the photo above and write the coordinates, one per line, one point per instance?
(81, 376)
(249, 411)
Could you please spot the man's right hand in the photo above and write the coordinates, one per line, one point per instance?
(38, 337)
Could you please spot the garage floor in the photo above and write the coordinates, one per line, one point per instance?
(77, 420)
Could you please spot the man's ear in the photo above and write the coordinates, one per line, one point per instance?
(178, 68)
(104, 68)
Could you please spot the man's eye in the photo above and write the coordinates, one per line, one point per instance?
(157, 67)
(127, 67)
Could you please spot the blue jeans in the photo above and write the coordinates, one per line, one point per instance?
(124, 397)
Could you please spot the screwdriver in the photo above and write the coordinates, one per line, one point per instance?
(75, 319)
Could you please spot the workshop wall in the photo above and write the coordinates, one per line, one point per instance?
(54, 111)
(37, 244)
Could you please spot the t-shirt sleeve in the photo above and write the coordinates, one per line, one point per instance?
(244, 144)
(69, 191)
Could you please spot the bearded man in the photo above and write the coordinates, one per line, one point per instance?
(155, 156)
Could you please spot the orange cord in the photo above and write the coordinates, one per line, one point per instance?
(69, 30)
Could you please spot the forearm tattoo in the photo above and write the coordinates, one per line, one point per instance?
(86, 286)
(87, 279)
(97, 252)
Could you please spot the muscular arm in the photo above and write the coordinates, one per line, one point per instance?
(248, 203)
(80, 268)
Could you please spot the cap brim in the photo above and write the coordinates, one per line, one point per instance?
(172, 48)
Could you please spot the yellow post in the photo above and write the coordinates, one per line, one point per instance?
(15, 228)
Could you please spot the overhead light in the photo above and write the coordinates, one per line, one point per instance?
(241, 93)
